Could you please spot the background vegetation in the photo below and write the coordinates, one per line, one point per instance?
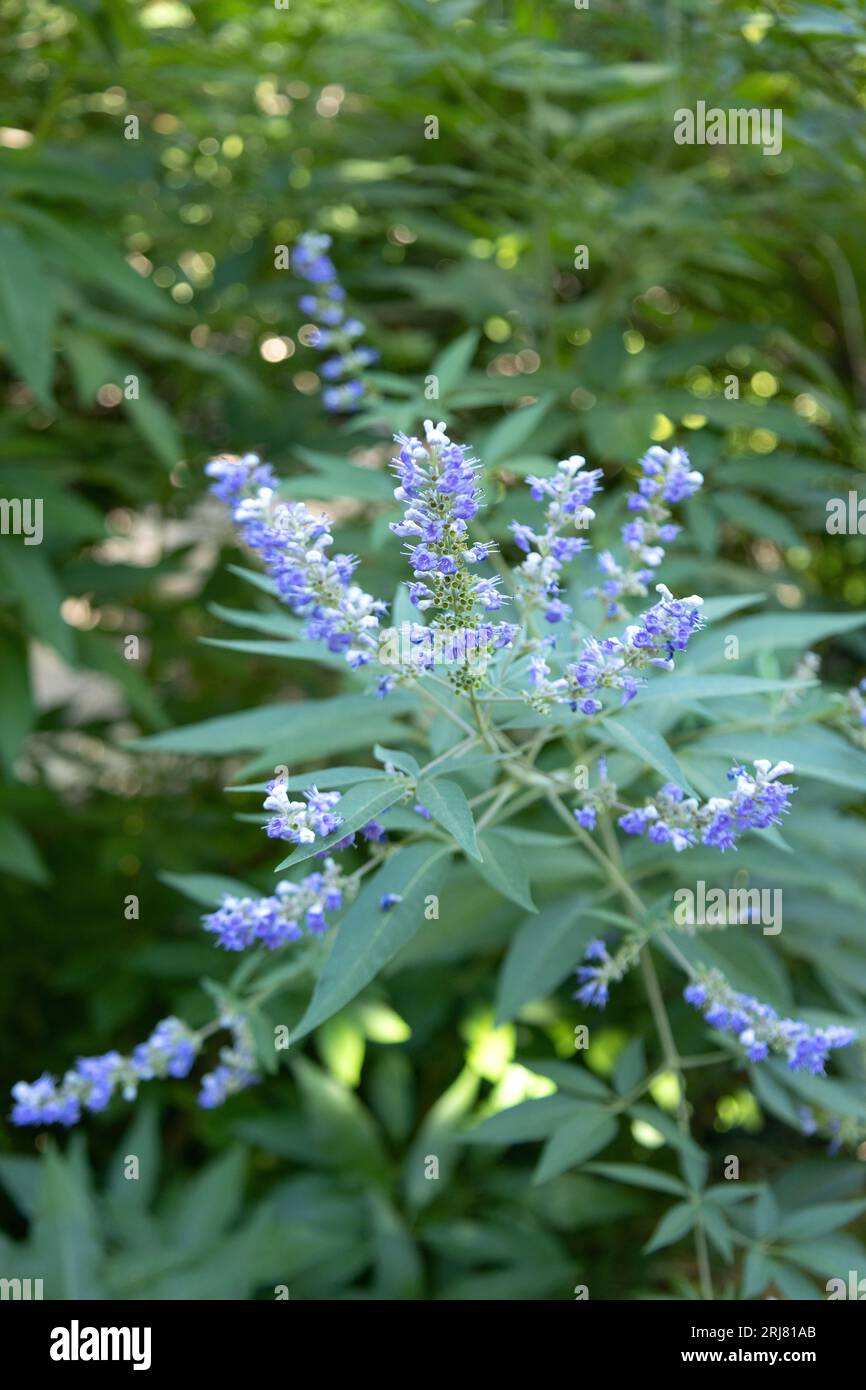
(146, 249)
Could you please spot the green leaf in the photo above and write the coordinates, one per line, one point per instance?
(209, 1203)
(451, 366)
(397, 1269)
(359, 805)
(831, 1256)
(521, 1123)
(302, 730)
(673, 1226)
(15, 703)
(635, 736)
(573, 1077)
(588, 1131)
(757, 1273)
(715, 609)
(671, 690)
(275, 624)
(630, 1067)
(85, 253)
(293, 649)
(636, 1175)
(511, 433)
(651, 1115)
(344, 1130)
(815, 752)
(369, 936)
(447, 804)
(504, 868)
(65, 1231)
(341, 1045)
(542, 953)
(819, 1220)
(263, 1036)
(18, 853)
(208, 889)
(27, 313)
(92, 365)
(765, 1214)
(152, 420)
(748, 514)
(141, 1138)
(31, 579)
(438, 1135)
(771, 632)
(716, 1226)
(21, 1177)
(404, 761)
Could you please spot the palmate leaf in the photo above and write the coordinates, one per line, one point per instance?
(369, 936)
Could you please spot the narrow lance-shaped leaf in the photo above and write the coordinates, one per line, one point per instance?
(369, 935)
(447, 804)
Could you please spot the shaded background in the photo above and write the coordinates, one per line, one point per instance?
(154, 257)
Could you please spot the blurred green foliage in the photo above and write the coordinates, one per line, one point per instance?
(152, 158)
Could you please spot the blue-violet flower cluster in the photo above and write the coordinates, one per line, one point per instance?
(614, 663)
(569, 491)
(238, 1065)
(759, 1029)
(670, 817)
(437, 484)
(169, 1051)
(294, 547)
(332, 330)
(301, 822)
(272, 921)
(667, 478)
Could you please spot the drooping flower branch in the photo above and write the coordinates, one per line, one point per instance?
(294, 546)
(759, 1029)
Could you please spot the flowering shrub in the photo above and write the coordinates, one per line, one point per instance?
(587, 704)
